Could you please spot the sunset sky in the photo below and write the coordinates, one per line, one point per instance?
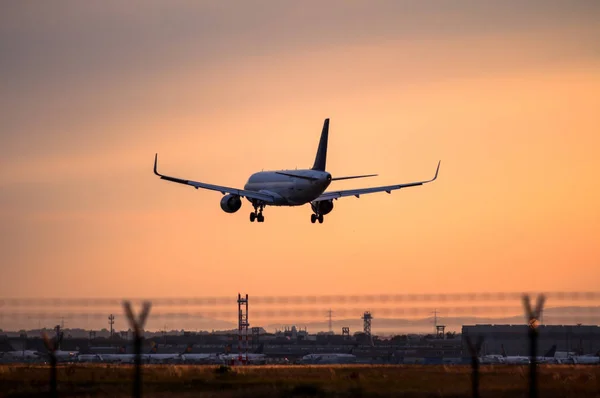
(506, 94)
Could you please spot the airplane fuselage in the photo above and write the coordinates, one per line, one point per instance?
(22, 354)
(328, 359)
(290, 187)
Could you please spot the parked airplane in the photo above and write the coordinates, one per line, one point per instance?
(491, 359)
(548, 357)
(205, 358)
(321, 359)
(120, 357)
(9, 353)
(149, 357)
(88, 357)
(588, 359)
(291, 187)
(155, 357)
(257, 357)
(329, 358)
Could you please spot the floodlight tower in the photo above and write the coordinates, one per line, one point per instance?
(111, 322)
(367, 317)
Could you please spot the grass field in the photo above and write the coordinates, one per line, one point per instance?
(299, 381)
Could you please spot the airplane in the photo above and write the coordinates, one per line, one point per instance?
(548, 357)
(329, 358)
(205, 358)
(317, 359)
(291, 187)
(88, 358)
(8, 352)
(150, 357)
(587, 359)
(257, 357)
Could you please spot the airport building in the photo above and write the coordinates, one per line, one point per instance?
(581, 339)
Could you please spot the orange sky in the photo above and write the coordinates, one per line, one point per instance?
(506, 95)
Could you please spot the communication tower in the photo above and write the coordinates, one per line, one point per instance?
(111, 322)
(243, 329)
(435, 319)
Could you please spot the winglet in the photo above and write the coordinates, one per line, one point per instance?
(436, 171)
(155, 163)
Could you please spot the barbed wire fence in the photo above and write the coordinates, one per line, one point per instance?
(564, 307)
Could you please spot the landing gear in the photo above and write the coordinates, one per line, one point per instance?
(315, 217)
(257, 213)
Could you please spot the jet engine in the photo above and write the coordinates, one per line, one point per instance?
(231, 203)
(323, 207)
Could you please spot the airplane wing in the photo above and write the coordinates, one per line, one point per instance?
(363, 191)
(224, 190)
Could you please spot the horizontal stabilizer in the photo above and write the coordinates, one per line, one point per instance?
(362, 191)
(352, 177)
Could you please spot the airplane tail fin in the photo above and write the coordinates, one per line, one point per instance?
(5, 345)
(321, 157)
(551, 352)
(260, 348)
(503, 351)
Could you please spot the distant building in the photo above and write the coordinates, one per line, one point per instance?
(583, 339)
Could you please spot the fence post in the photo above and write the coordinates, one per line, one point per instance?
(51, 346)
(532, 316)
(138, 327)
(474, 350)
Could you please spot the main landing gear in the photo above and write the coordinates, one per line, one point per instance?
(314, 217)
(257, 213)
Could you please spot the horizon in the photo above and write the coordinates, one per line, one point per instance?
(393, 319)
